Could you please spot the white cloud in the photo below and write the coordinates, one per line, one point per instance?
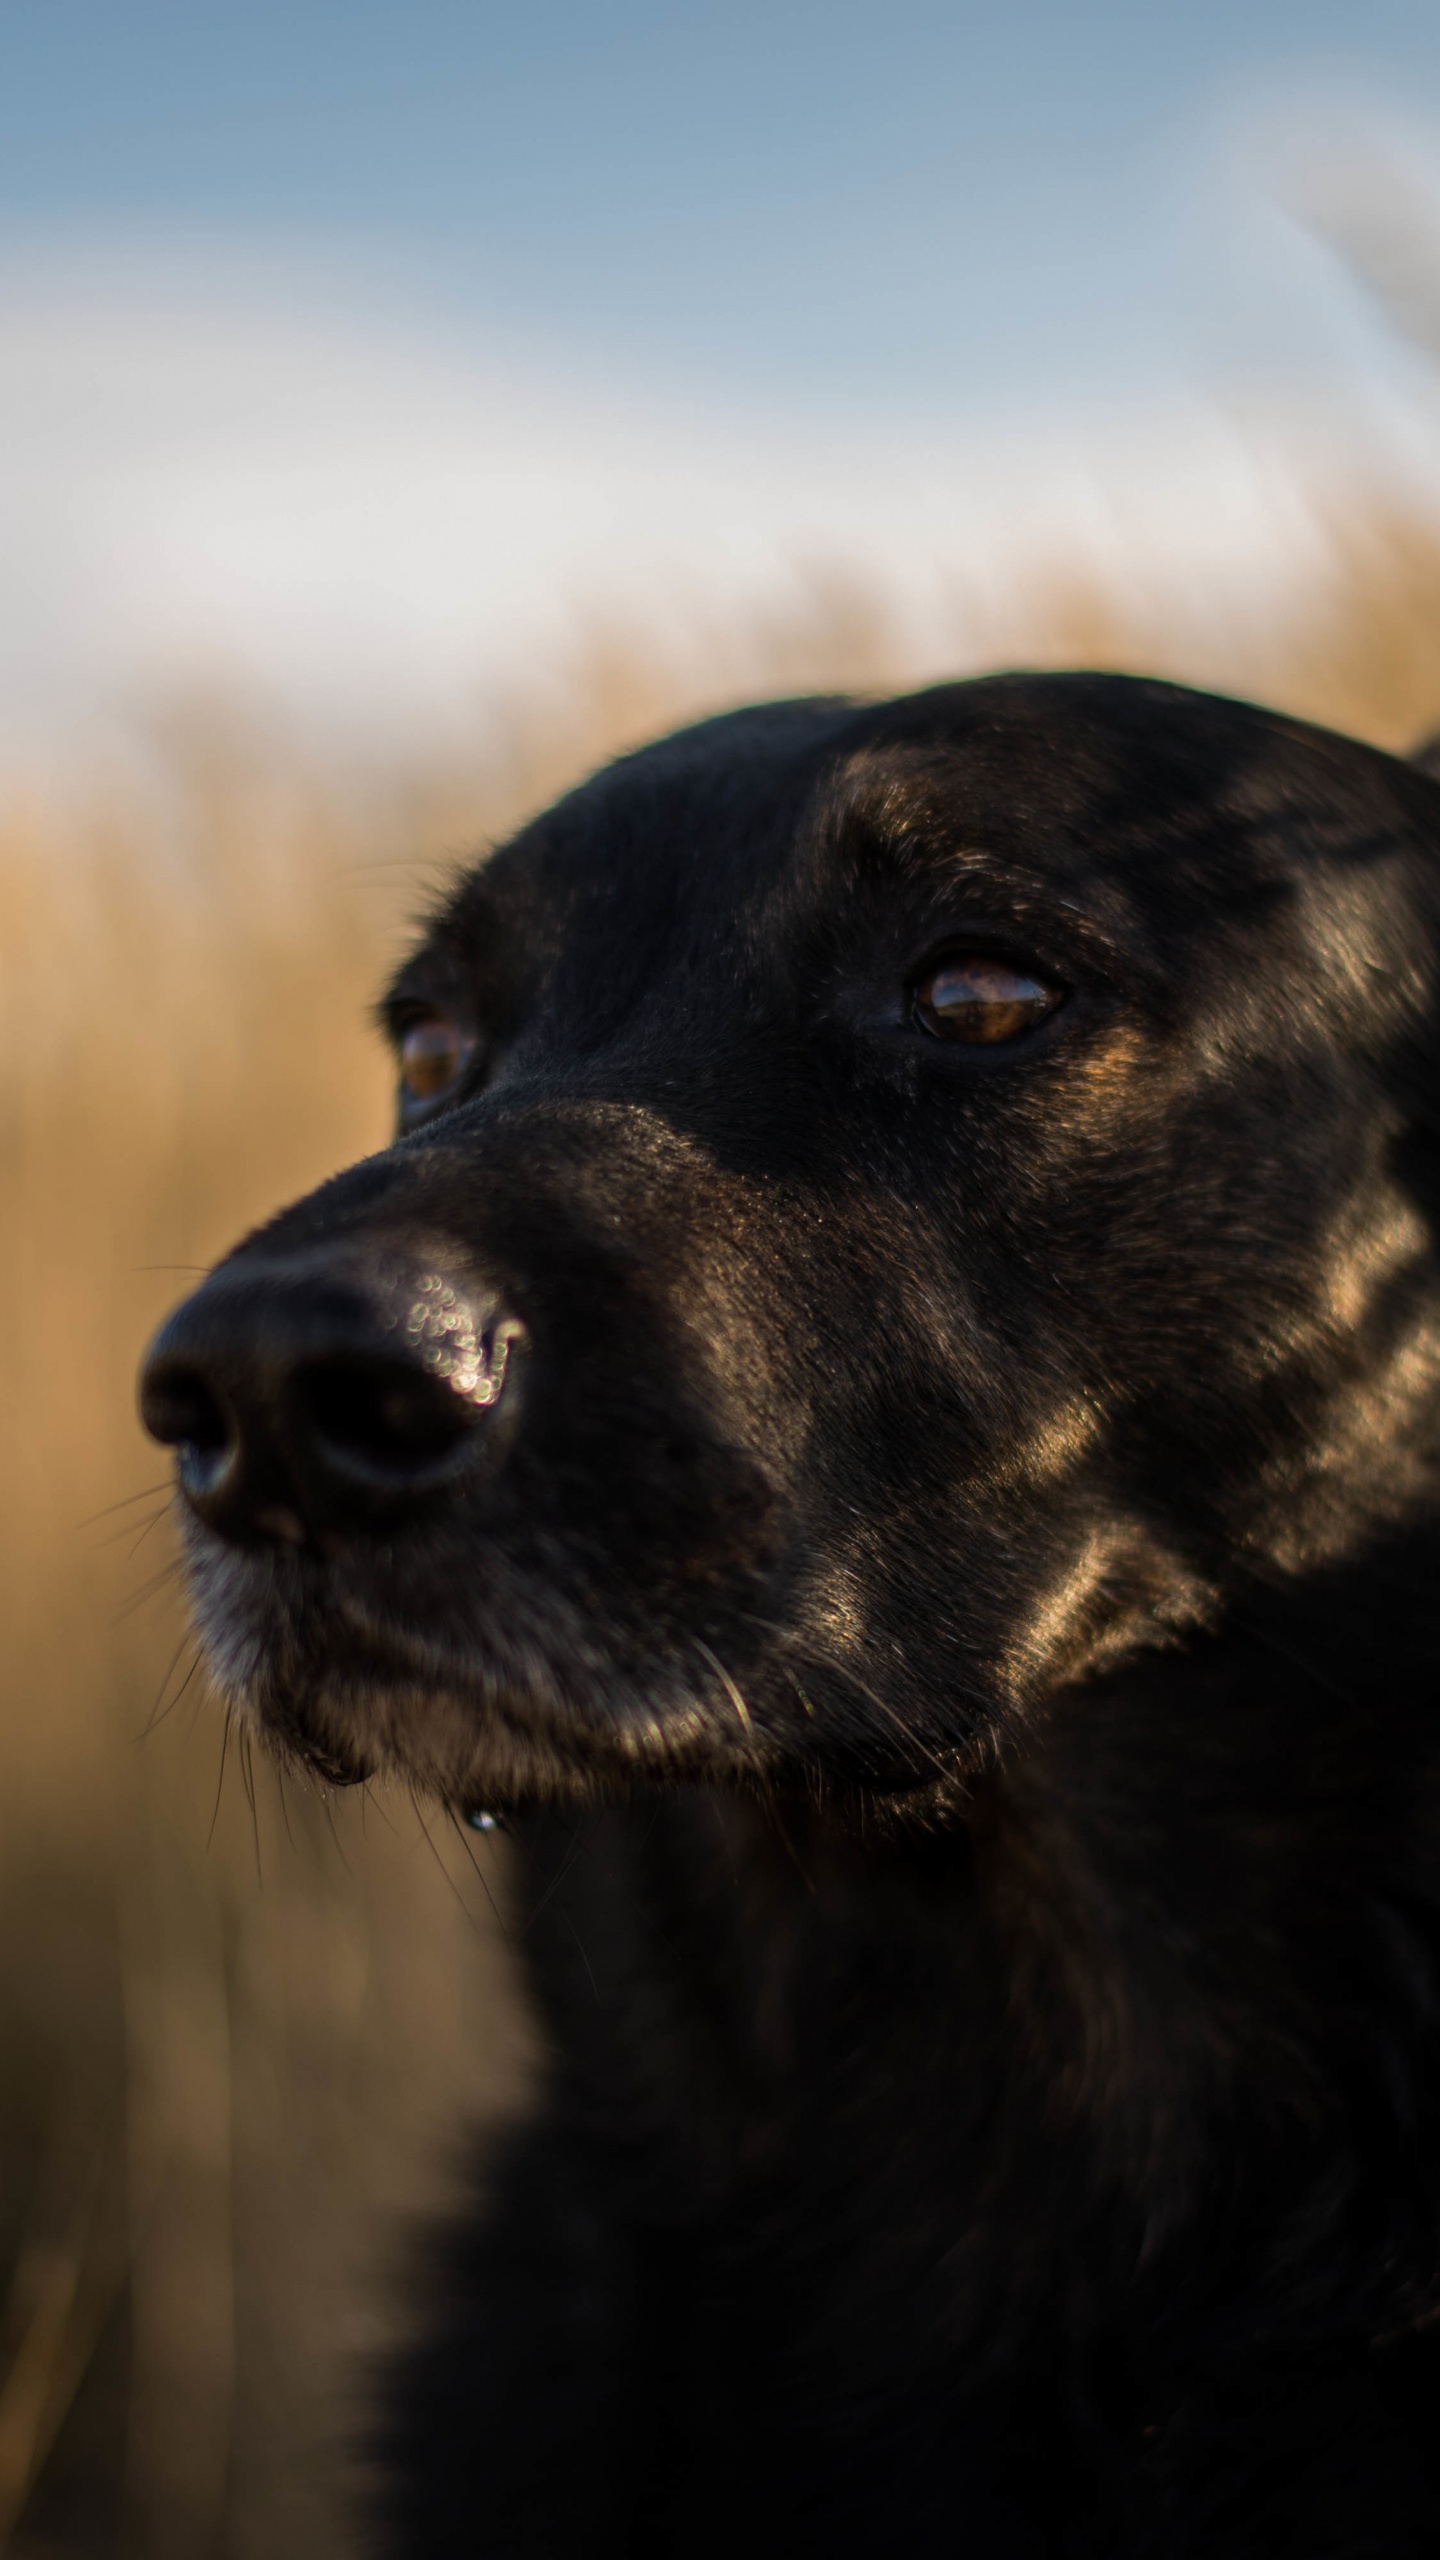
(200, 480)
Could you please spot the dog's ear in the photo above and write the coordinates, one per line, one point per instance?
(1427, 755)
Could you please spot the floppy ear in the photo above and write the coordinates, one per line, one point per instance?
(1427, 755)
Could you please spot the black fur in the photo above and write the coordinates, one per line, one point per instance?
(947, 1593)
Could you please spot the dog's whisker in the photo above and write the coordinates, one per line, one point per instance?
(127, 1532)
(429, 1840)
(150, 1526)
(826, 1664)
(282, 1793)
(247, 1780)
(168, 1575)
(467, 1844)
(127, 1501)
(164, 1706)
(763, 1776)
(328, 1811)
(225, 1733)
(743, 1716)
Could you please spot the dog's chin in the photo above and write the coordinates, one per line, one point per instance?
(542, 1712)
(472, 1739)
(538, 1705)
(477, 1756)
(492, 1760)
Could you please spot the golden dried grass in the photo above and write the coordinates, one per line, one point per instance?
(236, 2045)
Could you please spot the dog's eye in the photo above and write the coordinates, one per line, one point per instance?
(974, 998)
(434, 1054)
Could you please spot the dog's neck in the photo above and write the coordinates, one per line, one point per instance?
(1214, 1889)
(1169, 1976)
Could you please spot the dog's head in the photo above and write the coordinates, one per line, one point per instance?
(897, 1211)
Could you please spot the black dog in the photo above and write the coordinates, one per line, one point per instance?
(886, 1406)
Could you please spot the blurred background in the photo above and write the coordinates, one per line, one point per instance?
(400, 410)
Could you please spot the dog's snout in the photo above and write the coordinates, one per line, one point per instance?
(319, 1397)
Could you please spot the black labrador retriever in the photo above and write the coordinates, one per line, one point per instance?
(884, 1411)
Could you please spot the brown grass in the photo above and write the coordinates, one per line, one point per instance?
(238, 2039)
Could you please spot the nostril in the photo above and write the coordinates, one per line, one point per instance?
(180, 1409)
(382, 1416)
(330, 1392)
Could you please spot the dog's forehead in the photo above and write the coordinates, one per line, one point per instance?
(703, 818)
(1149, 796)
(1157, 809)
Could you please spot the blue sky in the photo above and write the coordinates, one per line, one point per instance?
(876, 201)
(371, 356)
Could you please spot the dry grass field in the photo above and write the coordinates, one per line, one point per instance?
(241, 2036)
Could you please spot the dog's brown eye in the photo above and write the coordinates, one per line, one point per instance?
(434, 1053)
(980, 1000)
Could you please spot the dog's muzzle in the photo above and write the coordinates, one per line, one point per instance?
(330, 1392)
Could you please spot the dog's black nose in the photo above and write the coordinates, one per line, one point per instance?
(324, 1393)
